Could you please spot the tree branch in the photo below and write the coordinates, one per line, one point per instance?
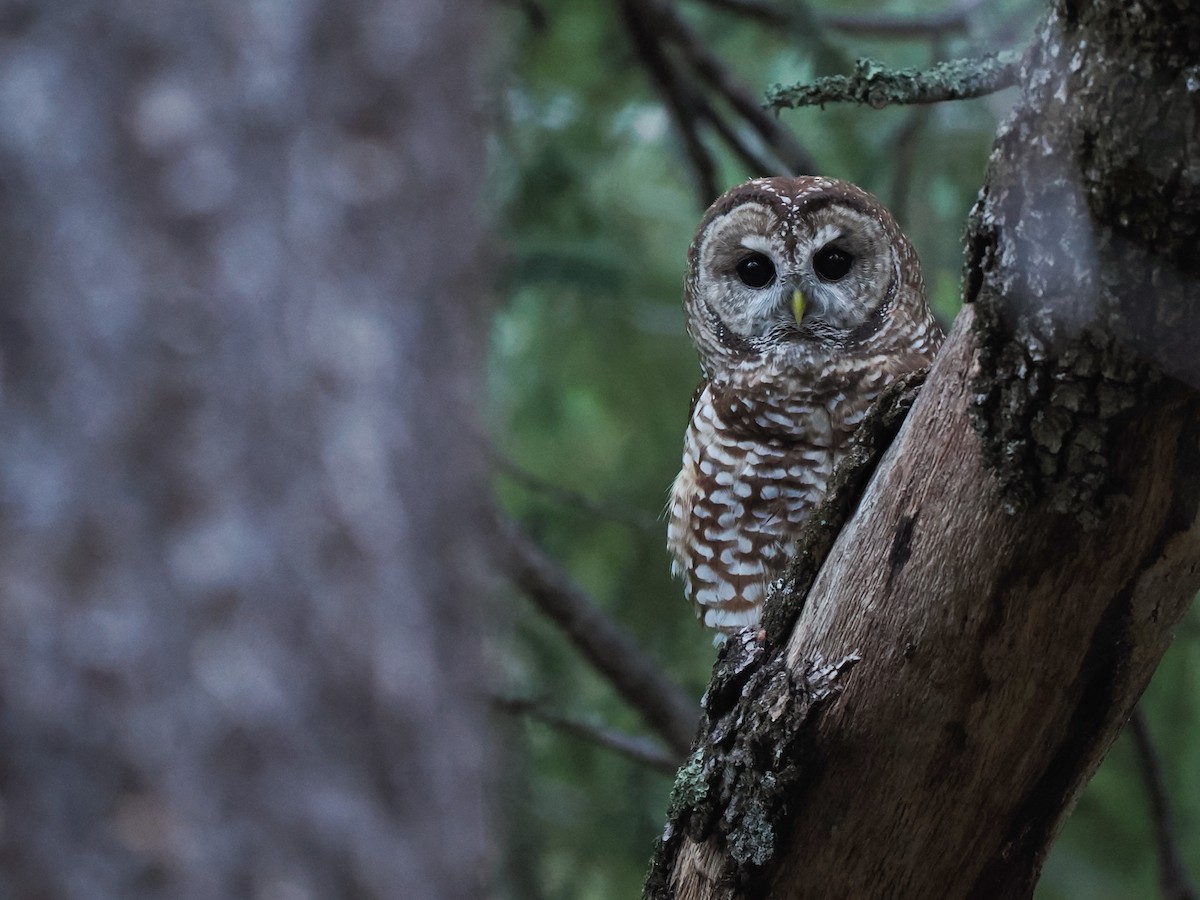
(575, 500)
(662, 704)
(649, 25)
(1172, 875)
(954, 18)
(642, 750)
(768, 13)
(795, 158)
(906, 145)
(693, 105)
(534, 13)
(728, 133)
(877, 87)
(680, 99)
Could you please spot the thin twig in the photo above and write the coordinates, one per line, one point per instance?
(534, 12)
(769, 13)
(796, 159)
(877, 86)
(691, 103)
(576, 500)
(905, 143)
(680, 99)
(952, 19)
(1172, 876)
(642, 750)
(756, 164)
(662, 704)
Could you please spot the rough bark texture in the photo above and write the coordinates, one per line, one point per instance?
(1015, 568)
(1082, 247)
(237, 642)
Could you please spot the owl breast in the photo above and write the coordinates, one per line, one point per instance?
(804, 300)
(754, 466)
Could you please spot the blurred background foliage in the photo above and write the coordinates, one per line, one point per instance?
(591, 375)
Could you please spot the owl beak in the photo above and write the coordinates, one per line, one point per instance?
(798, 305)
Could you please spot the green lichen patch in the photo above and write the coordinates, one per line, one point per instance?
(752, 757)
(876, 85)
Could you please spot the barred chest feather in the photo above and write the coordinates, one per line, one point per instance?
(754, 466)
(804, 300)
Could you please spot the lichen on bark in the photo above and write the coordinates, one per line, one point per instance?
(751, 757)
(876, 85)
(1081, 257)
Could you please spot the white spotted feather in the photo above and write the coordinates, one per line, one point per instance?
(782, 396)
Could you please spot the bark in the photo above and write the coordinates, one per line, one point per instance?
(988, 617)
(238, 564)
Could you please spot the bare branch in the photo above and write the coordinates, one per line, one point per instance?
(575, 500)
(952, 19)
(642, 750)
(662, 704)
(648, 26)
(1172, 875)
(680, 100)
(534, 13)
(755, 163)
(877, 87)
(717, 75)
(694, 106)
(905, 151)
(769, 13)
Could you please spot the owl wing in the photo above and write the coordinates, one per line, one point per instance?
(744, 488)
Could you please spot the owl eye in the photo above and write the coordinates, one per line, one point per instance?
(756, 270)
(831, 263)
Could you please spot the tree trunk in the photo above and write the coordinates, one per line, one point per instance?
(987, 619)
(240, 326)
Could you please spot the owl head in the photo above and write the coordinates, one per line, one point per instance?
(796, 270)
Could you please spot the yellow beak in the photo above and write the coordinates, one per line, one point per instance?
(798, 303)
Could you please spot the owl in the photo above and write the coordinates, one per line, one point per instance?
(805, 301)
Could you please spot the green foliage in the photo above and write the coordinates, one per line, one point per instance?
(591, 374)
(1106, 850)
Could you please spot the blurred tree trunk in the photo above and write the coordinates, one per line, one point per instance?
(986, 621)
(241, 310)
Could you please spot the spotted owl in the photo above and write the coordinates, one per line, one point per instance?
(805, 301)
